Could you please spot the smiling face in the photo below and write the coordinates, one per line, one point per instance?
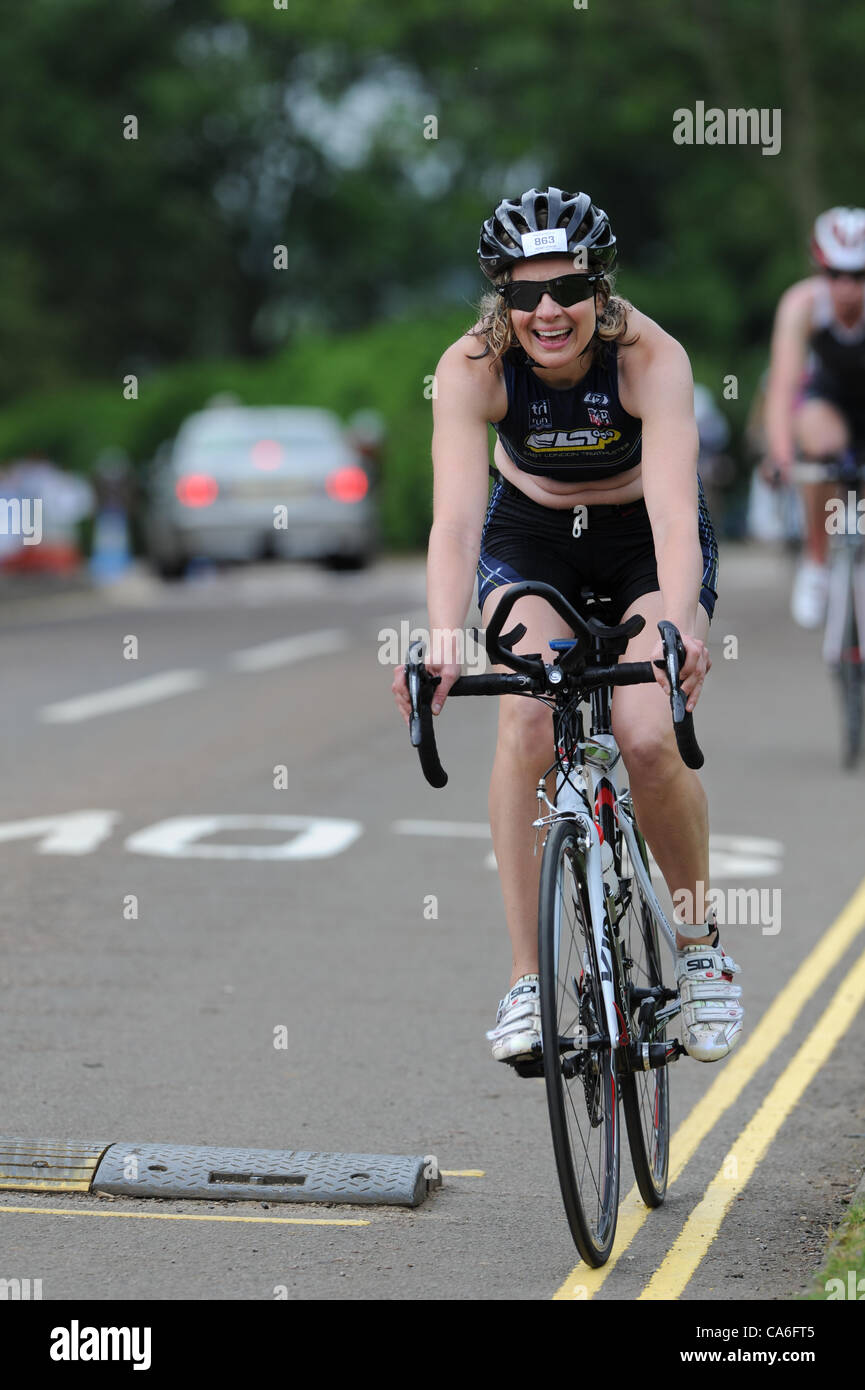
(552, 335)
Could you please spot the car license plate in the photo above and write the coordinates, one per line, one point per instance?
(274, 489)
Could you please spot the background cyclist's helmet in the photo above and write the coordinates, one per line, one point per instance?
(522, 227)
(838, 241)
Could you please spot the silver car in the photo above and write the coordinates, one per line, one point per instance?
(248, 483)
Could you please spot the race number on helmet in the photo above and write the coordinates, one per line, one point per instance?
(545, 221)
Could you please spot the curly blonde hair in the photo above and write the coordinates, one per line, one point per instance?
(496, 328)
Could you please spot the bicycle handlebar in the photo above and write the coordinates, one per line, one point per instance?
(499, 648)
(844, 468)
(533, 676)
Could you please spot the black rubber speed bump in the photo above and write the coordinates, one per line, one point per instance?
(190, 1172)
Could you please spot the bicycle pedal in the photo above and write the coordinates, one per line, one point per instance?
(528, 1066)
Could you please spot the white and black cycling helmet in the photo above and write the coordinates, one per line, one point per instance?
(838, 241)
(542, 222)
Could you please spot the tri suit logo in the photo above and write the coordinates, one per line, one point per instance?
(596, 398)
(598, 416)
(539, 415)
(566, 441)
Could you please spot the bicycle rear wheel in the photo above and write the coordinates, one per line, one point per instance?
(580, 1078)
(645, 1094)
(850, 683)
(841, 650)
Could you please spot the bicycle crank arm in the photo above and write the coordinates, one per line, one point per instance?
(648, 1056)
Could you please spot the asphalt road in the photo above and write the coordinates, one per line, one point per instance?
(161, 1026)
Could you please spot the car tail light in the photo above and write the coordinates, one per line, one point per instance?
(348, 484)
(267, 455)
(197, 489)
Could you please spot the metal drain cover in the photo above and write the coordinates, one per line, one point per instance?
(184, 1171)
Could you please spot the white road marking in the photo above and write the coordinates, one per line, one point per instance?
(321, 837)
(744, 856)
(120, 697)
(730, 856)
(470, 829)
(722, 862)
(288, 649)
(178, 838)
(78, 832)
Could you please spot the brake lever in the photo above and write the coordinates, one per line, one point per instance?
(683, 721)
(421, 683)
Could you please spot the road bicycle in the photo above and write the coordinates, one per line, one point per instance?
(845, 605)
(605, 1010)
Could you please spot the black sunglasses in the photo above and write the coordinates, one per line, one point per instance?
(844, 274)
(565, 290)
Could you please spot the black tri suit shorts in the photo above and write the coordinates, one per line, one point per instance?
(614, 554)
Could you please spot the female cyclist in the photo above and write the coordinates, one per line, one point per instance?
(592, 403)
(815, 398)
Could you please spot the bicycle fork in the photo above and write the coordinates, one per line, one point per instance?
(574, 802)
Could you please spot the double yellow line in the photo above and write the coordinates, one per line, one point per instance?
(702, 1226)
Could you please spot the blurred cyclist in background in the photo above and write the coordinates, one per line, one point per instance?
(815, 400)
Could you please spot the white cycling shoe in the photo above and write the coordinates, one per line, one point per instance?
(711, 1012)
(517, 1033)
(810, 594)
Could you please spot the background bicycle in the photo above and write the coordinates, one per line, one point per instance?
(845, 604)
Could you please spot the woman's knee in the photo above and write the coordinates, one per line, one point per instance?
(525, 730)
(649, 750)
(820, 428)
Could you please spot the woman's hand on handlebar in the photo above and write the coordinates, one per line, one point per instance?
(693, 671)
(448, 671)
(776, 469)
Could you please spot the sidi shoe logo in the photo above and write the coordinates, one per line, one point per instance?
(77, 1343)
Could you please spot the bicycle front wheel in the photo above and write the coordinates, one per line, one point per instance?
(579, 1065)
(645, 1094)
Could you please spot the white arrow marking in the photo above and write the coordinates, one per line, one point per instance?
(288, 649)
(78, 832)
(178, 838)
(470, 829)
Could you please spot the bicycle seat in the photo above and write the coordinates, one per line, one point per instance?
(598, 611)
(601, 602)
